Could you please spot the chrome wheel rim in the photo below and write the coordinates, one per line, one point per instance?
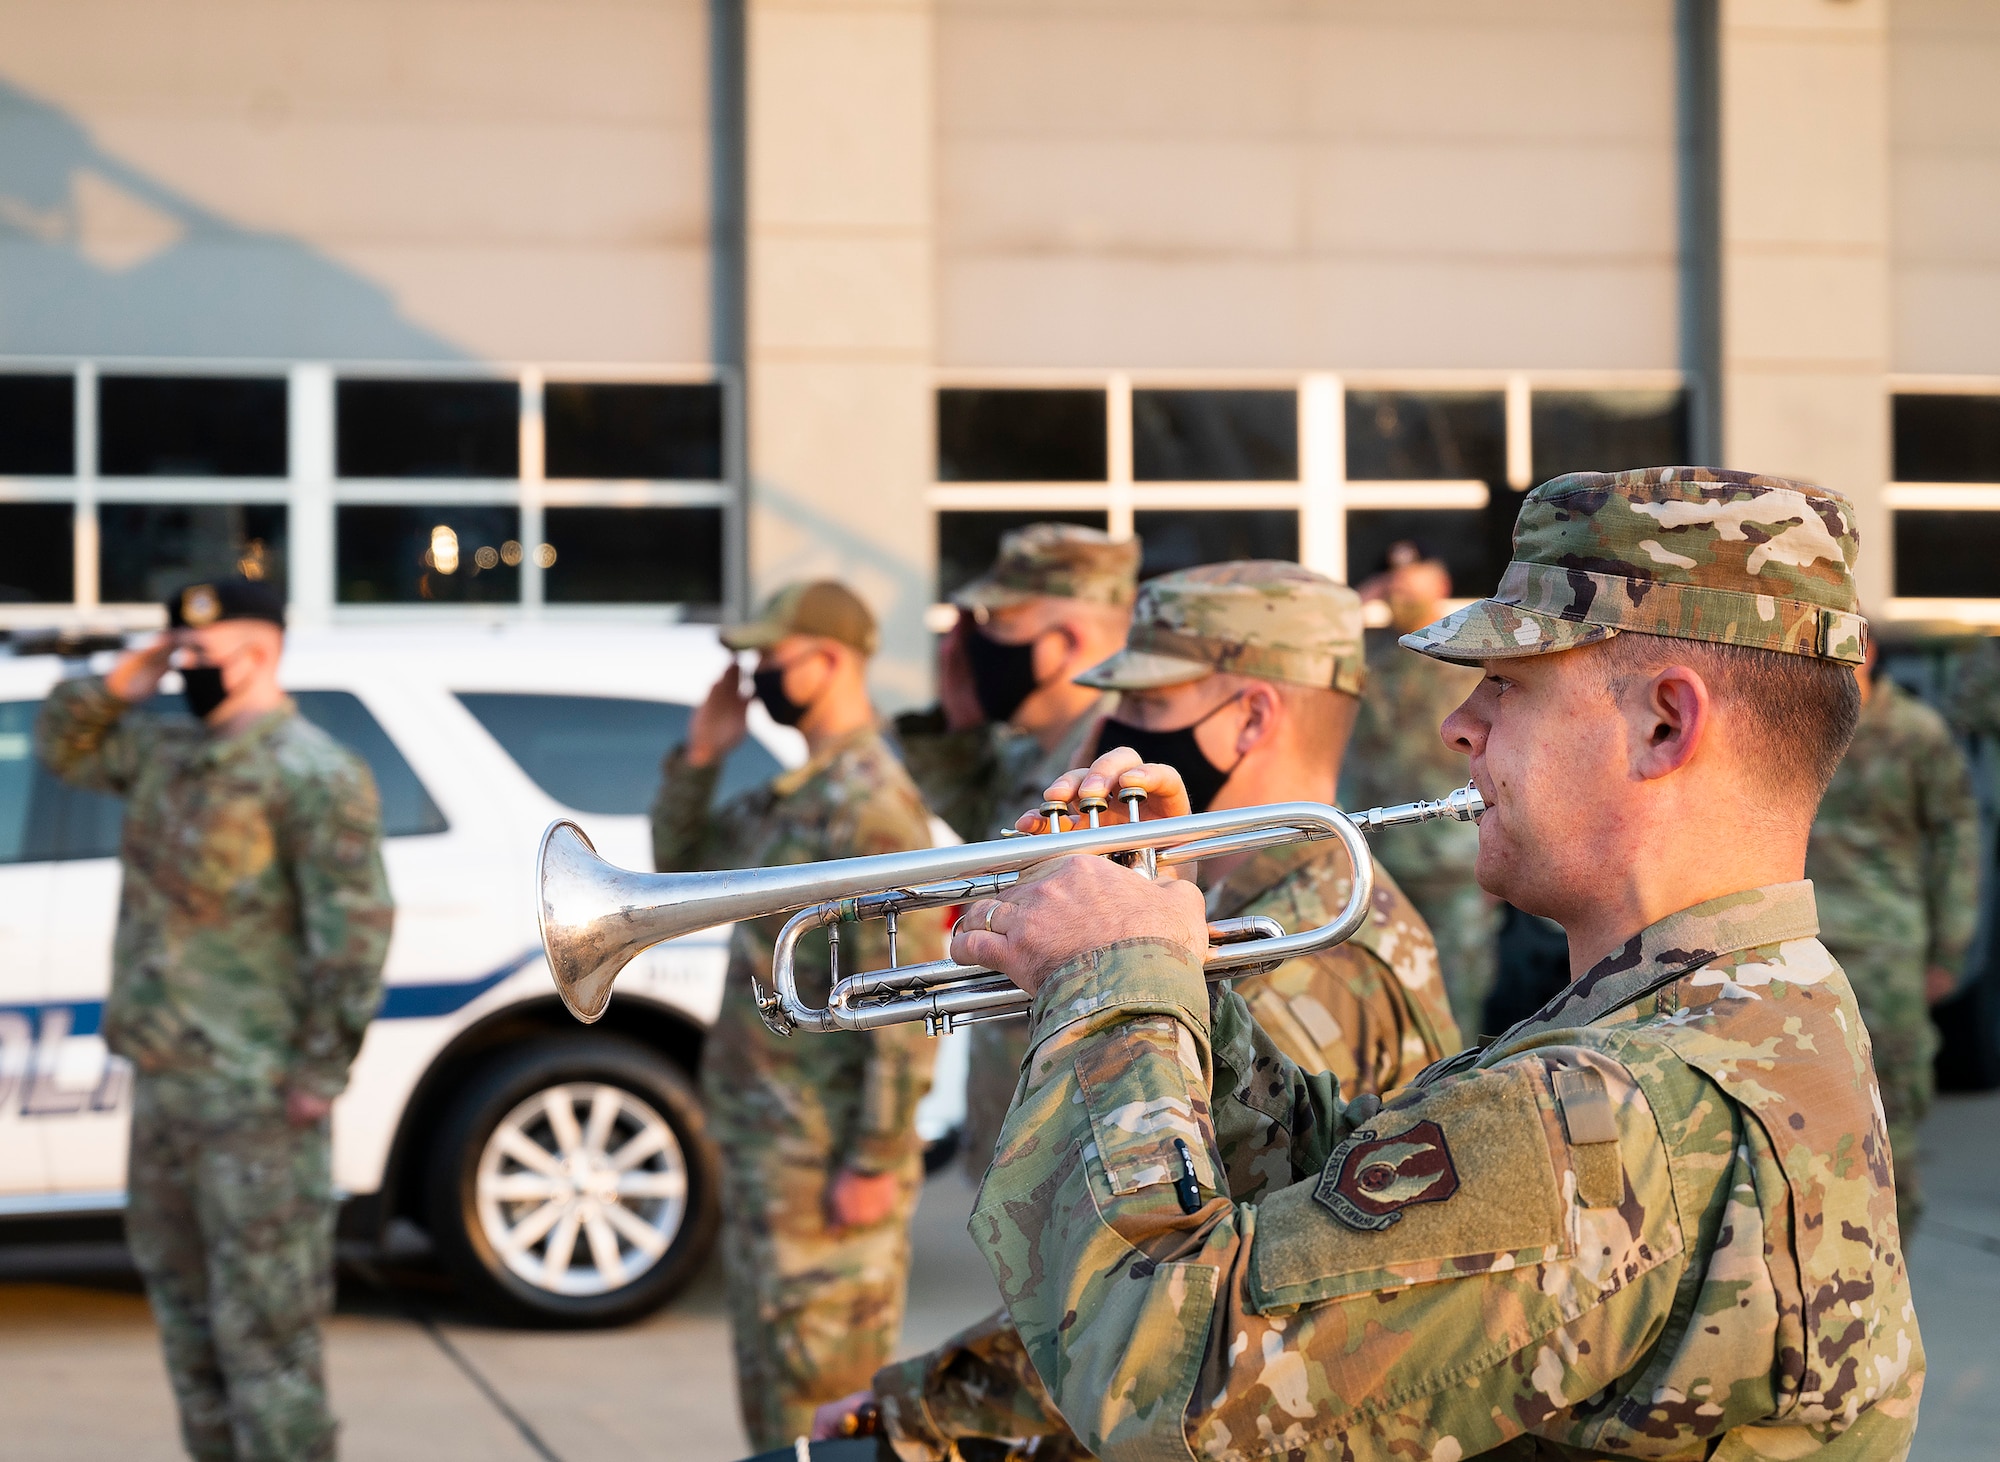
(581, 1189)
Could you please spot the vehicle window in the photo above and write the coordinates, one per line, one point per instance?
(602, 753)
(41, 819)
(407, 808)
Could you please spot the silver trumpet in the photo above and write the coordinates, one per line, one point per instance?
(595, 917)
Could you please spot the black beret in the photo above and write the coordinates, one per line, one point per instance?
(215, 600)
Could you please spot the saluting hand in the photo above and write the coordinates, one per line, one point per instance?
(138, 672)
(720, 722)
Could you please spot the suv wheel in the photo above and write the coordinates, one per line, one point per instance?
(574, 1182)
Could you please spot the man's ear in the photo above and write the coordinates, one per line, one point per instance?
(1264, 712)
(1054, 648)
(1671, 718)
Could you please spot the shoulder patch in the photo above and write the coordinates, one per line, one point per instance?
(1370, 1180)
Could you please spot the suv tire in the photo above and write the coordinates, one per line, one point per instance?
(567, 1157)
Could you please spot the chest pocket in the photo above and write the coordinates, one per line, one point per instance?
(1458, 1182)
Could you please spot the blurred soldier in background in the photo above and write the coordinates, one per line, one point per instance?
(1397, 754)
(821, 1162)
(1011, 720)
(1243, 677)
(1894, 860)
(251, 932)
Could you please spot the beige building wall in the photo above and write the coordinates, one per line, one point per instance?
(1259, 183)
(1944, 134)
(1805, 251)
(840, 310)
(510, 179)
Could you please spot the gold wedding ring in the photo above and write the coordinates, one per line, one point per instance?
(992, 907)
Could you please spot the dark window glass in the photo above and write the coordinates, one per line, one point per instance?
(1456, 535)
(634, 556)
(43, 820)
(1215, 436)
(969, 542)
(1021, 436)
(428, 428)
(1427, 435)
(191, 426)
(602, 753)
(1947, 438)
(147, 550)
(1608, 431)
(407, 808)
(1947, 555)
(1182, 540)
(38, 425)
(446, 552)
(36, 566)
(628, 430)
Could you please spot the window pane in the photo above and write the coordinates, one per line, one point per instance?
(428, 428)
(634, 556)
(1215, 436)
(1458, 536)
(191, 426)
(1021, 436)
(656, 431)
(36, 566)
(38, 425)
(17, 774)
(603, 753)
(1182, 540)
(1947, 438)
(1947, 555)
(1608, 431)
(1427, 435)
(969, 542)
(148, 550)
(408, 554)
(407, 808)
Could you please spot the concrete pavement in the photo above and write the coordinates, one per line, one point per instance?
(416, 1379)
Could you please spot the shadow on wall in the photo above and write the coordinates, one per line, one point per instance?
(96, 258)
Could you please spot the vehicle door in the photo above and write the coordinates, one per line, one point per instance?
(24, 907)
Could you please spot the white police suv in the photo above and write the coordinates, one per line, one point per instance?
(562, 1171)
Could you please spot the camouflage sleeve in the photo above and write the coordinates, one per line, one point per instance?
(1502, 1280)
(1950, 814)
(1274, 1121)
(897, 1072)
(977, 1384)
(684, 836)
(956, 771)
(334, 827)
(83, 737)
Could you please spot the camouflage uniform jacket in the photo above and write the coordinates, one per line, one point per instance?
(1372, 1010)
(1396, 754)
(981, 779)
(1894, 855)
(255, 913)
(855, 1094)
(1655, 1220)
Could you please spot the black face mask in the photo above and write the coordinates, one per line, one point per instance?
(201, 688)
(1177, 749)
(1002, 675)
(770, 685)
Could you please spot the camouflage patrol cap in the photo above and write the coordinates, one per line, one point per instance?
(1692, 553)
(1261, 618)
(1056, 561)
(823, 607)
(199, 605)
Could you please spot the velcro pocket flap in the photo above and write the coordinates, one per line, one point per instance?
(1143, 1088)
(1460, 1180)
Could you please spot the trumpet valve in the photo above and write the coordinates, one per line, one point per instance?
(1131, 797)
(1053, 813)
(1093, 808)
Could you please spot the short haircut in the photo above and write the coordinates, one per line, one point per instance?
(1800, 710)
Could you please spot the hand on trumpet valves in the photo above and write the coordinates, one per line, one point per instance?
(1116, 771)
(1069, 906)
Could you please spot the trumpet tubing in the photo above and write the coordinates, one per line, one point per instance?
(595, 917)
